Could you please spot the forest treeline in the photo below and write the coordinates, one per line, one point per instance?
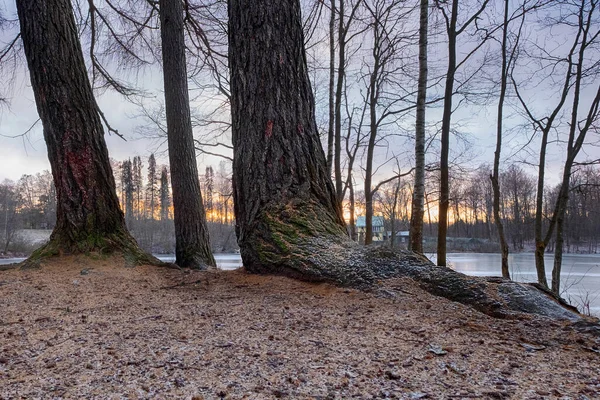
(144, 194)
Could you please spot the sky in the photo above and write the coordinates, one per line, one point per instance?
(27, 155)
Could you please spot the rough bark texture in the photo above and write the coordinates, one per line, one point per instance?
(88, 214)
(418, 199)
(192, 246)
(284, 197)
(288, 219)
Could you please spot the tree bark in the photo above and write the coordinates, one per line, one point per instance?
(88, 214)
(417, 211)
(284, 199)
(192, 245)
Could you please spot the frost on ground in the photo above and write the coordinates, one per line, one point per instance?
(95, 329)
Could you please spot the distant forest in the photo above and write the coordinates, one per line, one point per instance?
(144, 192)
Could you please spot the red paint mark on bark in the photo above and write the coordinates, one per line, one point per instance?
(280, 58)
(300, 129)
(269, 130)
(80, 163)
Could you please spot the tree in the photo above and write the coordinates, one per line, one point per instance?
(453, 30)
(391, 198)
(128, 189)
(418, 198)
(578, 68)
(165, 201)
(353, 144)
(385, 93)
(9, 204)
(283, 195)
(192, 246)
(209, 184)
(344, 25)
(287, 215)
(88, 213)
(151, 188)
(496, 172)
(137, 181)
(330, 132)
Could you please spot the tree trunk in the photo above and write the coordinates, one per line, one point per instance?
(192, 246)
(393, 215)
(330, 132)
(339, 185)
(284, 199)
(540, 244)
(558, 254)
(445, 140)
(417, 211)
(373, 102)
(352, 221)
(495, 176)
(88, 214)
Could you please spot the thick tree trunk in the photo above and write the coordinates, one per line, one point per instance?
(495, 176)
(284, 198)
(445, 140)
(88, 214)
(192, 246)
(417, 211)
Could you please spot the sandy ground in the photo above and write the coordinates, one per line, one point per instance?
(95, 329)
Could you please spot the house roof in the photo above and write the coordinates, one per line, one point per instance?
(378, 220)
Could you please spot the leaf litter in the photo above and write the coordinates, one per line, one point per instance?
(147, 332)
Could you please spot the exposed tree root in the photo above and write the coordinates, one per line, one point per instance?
(341, 262)
(302, 241)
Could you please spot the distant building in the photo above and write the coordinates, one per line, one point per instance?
(378, 228)
(401, 236)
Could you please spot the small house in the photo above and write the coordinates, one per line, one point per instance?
(378, 228)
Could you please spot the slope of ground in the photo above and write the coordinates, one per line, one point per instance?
(95, 329)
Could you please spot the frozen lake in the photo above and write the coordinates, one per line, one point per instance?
(580, 275)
